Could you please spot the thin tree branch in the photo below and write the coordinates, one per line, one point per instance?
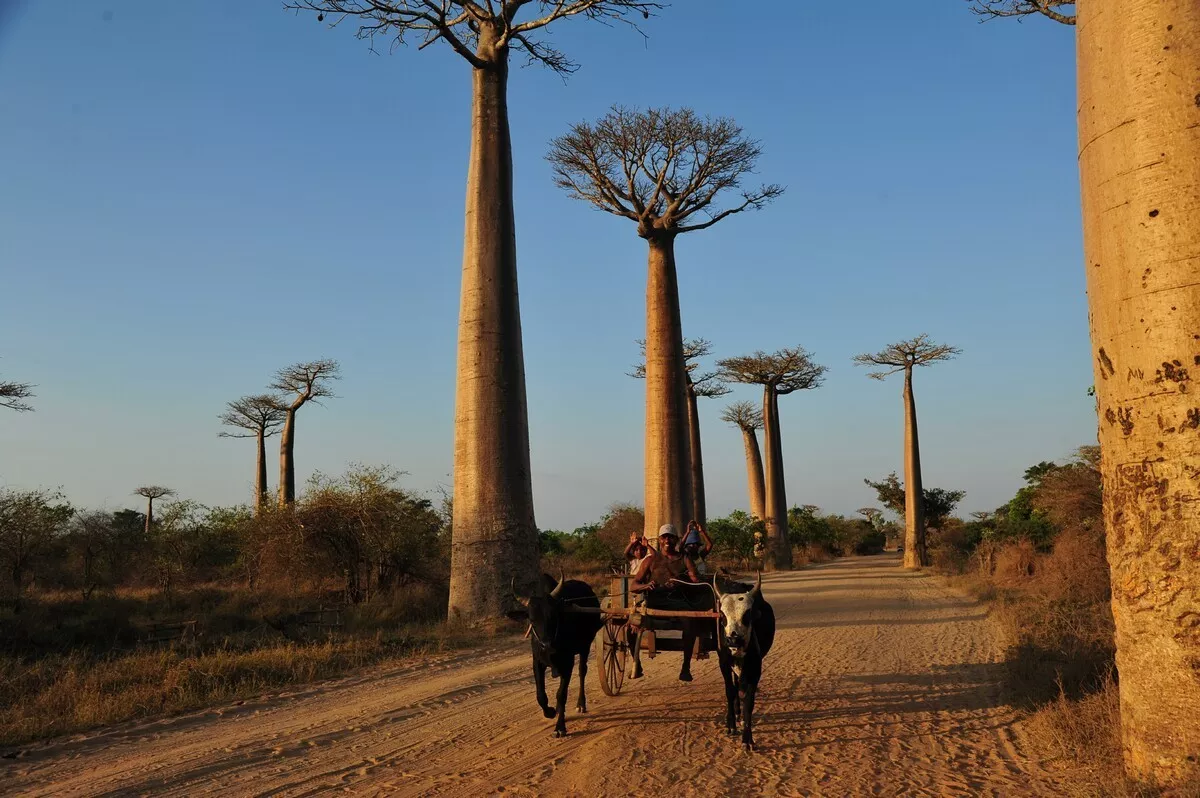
(756, 201)
(993, 9)
(13, 394)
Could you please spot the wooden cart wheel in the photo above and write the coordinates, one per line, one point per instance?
(612, 650)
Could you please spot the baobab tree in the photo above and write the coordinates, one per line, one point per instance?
(699, 384)
(904, 357)
(746, 417)
(494, 531)
(870, 514)
(152, 492)
(1139, 165)
(303, 383)
(779, 373)
(668, 171)
(259, 417)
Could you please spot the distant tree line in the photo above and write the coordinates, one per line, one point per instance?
(356, 535)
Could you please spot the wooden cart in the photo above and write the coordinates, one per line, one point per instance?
(615, 640)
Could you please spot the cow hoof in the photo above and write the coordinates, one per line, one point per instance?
(686, 676)
(560, 733)
(748, 747)
(637, 673)
(731, 731)
(582, 710)
(548, 712)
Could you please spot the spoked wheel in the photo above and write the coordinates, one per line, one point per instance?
(613, 651)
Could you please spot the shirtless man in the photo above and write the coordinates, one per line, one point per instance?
(655, 579)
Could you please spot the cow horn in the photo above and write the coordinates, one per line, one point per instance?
(716, 589)
(513, 587)
(562, 580)
(757, 586)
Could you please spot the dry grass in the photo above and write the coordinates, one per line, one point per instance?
(1083, 734)
(1061, 660)
(810, 553)
(71, 665)
(62, 694)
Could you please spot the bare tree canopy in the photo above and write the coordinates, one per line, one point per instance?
(663, 168)
(1058, 10)
(14, 394)
(458, 23)
(902, 356)
(744, 415)
(154, 491)
(785, 370)
(258, 415)
(308, 381)
(707, 384)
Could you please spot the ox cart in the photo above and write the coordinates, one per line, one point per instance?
(615, 641)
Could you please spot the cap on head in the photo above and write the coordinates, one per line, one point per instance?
(667, 529)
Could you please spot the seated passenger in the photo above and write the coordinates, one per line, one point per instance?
(697, 546)
(637, 551)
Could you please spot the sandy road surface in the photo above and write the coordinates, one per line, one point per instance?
(881, 682)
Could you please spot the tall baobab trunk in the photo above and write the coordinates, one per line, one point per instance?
(696, 456)
(1139, 163)
(754, 475)
(260, 473)
(775, 500)
(495, 536)
(914, 495)
(668, 461)
(287, 460)
(149, 514)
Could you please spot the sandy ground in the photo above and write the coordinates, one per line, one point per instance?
(881, 682)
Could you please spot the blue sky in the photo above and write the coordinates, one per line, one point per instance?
(195, 194)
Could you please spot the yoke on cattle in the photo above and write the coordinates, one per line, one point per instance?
(614, 644)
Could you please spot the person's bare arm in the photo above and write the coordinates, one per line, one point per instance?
(692, 573)
(708, 544)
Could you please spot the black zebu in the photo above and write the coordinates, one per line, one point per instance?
(747, 630)
(557, 637)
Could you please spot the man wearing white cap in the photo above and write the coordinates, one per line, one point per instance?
(656, 579)
(668, 564)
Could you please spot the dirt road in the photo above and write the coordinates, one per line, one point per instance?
(881, 682)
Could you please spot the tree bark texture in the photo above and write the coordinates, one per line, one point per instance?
(1139, 164)
(287, 460)
(699, 511)
(668, 457)
(776, 499)
(494, 532)
(260, 473)
(915, 555)
(754, 475)
(149, 515)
